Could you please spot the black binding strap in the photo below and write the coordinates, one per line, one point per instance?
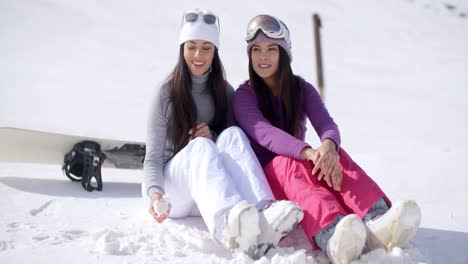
(83, 163)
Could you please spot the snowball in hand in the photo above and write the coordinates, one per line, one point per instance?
(161, 206)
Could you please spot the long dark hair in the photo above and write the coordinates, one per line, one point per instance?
(288, 92)
(184, 111)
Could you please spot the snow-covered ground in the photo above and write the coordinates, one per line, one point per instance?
(396, 74)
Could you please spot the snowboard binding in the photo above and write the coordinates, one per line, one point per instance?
(83, 163)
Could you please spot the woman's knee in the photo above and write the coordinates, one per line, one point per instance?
(233, 133)
(201, 144)
(235, 130)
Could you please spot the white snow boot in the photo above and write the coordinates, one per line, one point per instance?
(396, 227)
(241, 228)
(276, 222)
(348, 240)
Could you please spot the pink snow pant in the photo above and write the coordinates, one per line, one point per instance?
(292, 179)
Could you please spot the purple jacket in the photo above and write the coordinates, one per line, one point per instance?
(269, 141)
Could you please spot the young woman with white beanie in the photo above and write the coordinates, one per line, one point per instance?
(207, 167)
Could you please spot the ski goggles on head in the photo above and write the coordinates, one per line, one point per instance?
(207, 17)
(193, 16)
(270, 26)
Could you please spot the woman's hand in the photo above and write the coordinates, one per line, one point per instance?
(202, 130)
(156, 197)
(337, 177)
(325, 159)
(311, 154)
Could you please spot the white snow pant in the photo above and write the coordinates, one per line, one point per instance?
(208, 179)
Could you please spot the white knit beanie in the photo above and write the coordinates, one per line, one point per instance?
(199, 29)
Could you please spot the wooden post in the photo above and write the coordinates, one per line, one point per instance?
(318, 53)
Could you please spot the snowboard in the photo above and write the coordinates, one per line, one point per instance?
(32, 146)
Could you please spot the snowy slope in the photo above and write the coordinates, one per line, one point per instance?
(396, 76)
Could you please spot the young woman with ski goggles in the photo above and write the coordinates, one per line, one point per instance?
(344, 209)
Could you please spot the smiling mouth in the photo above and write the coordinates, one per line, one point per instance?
(198, 63)
(264, 66)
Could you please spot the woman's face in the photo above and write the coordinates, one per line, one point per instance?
(265, 59)
(198, 55)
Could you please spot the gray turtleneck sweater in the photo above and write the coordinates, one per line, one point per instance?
(159, 148)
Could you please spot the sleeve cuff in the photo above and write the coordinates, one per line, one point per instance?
(337, 144)
(299, 148)
(155, 189)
